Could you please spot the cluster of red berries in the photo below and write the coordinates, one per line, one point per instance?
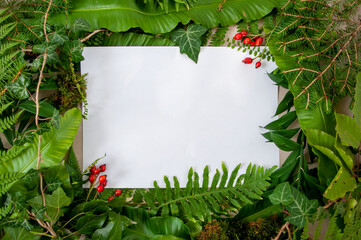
(117, 193)
(256, 41)
(94, 172)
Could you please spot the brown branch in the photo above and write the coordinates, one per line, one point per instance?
(328, 27)
(281, 231)
(45, 19)
(295, 40)
(26, 26)
(285, 4)
(91, 34)
(302, 69)
(348, 71)
(333, 60)
(319, 19)
(309, 28)
(288, 26)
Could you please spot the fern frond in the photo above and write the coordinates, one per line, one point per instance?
(73, 162)
(352, 230)
(224, 195)
(305, 231)
(7, 180)
(9, 121)
(219, 36)
(5, 211)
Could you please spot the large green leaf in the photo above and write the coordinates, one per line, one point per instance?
(262, 209)
(153, 228)
(348, 130)
(54, 145)
(315, 118)
(136, 39)
(357, 107)
(189, 40)
(340, 185)
(119, 16)
(19, 234)
(300, 209)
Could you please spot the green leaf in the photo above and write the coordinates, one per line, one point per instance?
(285, 104)
(19, 88)
(283, 122)
(283, 143)
(90, 222)
(45, 109)
(189, 40)
(19, 234)
(357, 106)
(315, 118)
(287, 133)
(340, 185)
(282, 195)
(75, 49)
(136, 39)
(261, 209)
(120, 16)
(300, 209)
(149, 228)
(54, 145)
(80, 24)
(348, 130)
(58, 38)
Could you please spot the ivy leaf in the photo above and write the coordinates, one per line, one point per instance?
(282, 195)
(300, 209)
(80, 24)
(58, 39)
(189, 40)
(75, 49)
(39, 212)
(20, 87)
(52, 57)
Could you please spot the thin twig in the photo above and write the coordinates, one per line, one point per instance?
(281, 231)
(45, 19)
(91, 34)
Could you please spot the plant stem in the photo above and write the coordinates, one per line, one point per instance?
(79, 214)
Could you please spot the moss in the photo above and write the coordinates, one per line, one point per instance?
(262, 229)
(214, 231)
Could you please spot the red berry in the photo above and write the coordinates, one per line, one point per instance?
(259, 41)
(102, 178)
(110, 198)
(100, 188)
(118, 192)
(92, 169)
(252, 43)
(103, 167)
(244, 32)
(247, 60)
(247, 41)
(96, 171)
(105, 183)
(92, 178)
(238, 36)
(258, 64)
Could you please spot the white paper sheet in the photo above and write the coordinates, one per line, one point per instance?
(154, 112)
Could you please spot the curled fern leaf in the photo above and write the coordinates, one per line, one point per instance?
(5, 211)
(224, 195)
(7, 180)
(8, 122)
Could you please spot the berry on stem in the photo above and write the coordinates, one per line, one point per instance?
(110, 198)
(118, 192)
(247, 60)
(259, 41)
(247, 41)
(92, 169)
(238, 36)
(92, 178)
(100, 188)
(102, 178)
(103, 167)
(258, 64)
(96, 171)
(252, 43)
(105, 183)
(244, 32)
